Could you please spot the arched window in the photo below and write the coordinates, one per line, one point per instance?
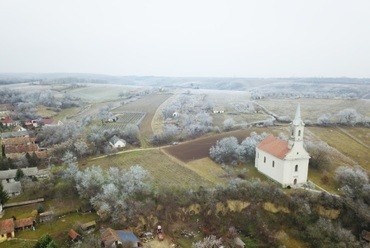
(264, 159)
(296, 168)
(273, 163)
(299, 132)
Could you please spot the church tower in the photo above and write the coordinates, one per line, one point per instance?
(296, 130)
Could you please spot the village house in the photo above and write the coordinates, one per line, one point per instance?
(218, 110)
(112, 238)
(8, 122)
(117, 142)
(15, 134)
(6, 229)
(11, 187)
(286, 162)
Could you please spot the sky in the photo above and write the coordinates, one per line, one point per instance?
(217, 38)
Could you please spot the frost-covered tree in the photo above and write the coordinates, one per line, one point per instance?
(225, 151)
(208, 242)
(348, 116)
(353, 180)
(81, 148)
(229, 124)
(324, 119)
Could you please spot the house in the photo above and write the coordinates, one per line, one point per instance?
(19, 129)
(6, 229)
(117, 142)
(112, 238)
(11, 174)
(11, 187)
(25, 223)
(8, 122)
(286, 162)
(14, 134)
(50, 122)
(74, 236)
(218, 110)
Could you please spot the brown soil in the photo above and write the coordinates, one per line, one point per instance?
(199, 148)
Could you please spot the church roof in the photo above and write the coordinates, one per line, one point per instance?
(274, 146)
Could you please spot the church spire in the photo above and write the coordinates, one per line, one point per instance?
(297, 119)
(297, 128)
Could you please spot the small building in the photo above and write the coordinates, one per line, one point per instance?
(6, 229)
(112, 238)
(11, 187)
(74, 236)
(218, 109)
(14, 134)
(8, 122)
(25, 223)
(88, 226)
(19, 129)
(46, 216)
(286, 162)
(117, 142)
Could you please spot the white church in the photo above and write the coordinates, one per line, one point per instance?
(286, 162)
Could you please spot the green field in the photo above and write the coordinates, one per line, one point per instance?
(344, 144)
(163, 170)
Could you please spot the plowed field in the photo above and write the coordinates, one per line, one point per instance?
(148, 104)
(199, 148)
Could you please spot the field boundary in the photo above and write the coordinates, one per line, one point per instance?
(353, 137)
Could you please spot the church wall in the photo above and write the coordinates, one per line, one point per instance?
(291, 173)
(270, 169)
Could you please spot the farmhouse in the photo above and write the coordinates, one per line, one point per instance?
(6, 229)
(219, 110)
(286, 162)
(117, 142)
(112, 238)
(8, 122)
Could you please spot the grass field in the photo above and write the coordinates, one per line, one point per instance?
(345, 144)
(361, 133)
(101, 92)
(311, 109)
(164, 171)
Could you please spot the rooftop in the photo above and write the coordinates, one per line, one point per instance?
(274, 146)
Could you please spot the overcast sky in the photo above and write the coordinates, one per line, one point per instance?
(228, 38)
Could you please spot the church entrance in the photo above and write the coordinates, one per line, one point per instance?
(295, 181)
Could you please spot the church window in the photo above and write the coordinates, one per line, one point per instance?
(264, 159)
(299, 132)
(296, 168)
(273, 163)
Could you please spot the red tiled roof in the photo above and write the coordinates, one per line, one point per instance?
(73, 234)
(21, 148)
(23, 222)
(274, 146)
(7, 120)
(19, 140)
(6, 226)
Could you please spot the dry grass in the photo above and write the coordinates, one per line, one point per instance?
(207, 169)
(344, 144)
(361, 133)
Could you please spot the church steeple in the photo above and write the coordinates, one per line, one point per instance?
(297, 128)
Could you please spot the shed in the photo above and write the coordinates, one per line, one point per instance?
(74, 235)
(25, 223)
